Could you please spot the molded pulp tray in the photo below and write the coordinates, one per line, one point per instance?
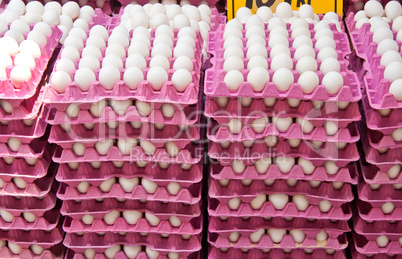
(152, 172)
(45, 239)
(173, 243)
(191, 195)
(216, 253)
(377, 228)
(346, 174)
(54, 252)
(34, 149)
(380, 141)
(364, 246)
(372, 212)
(373, 175)
(48, 222)
(141, 255)
(38, 207)
(385, 193)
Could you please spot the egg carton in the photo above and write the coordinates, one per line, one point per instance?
(99, 209)
(141, 255)
(346, 174)
(194, 227)
(380, 141)
(191, 154)
(189, 195)
(28, 89)
(173, 243)
(45, 239)
(183, 116)
(373, 175)
(220, 132)
(375, 229)
(337, 243)
(385, 193)
(79, 132)
(328, 151)
(37, 206)
(371, 211)
(47, 222)
(54, 252)
(357, 255)
(235, 188)
(281, 108)
(216, 253)
(368, 247)
(20, 168)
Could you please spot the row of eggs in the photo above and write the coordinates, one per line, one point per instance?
(8, 217)
(16, 249)
(120, 164)
(130, 252)
(289, 182)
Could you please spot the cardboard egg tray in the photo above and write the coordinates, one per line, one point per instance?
(347, 174)
(38, 207)
(368, 247)
(217, 132)
(371, 211)
(380, 141)
(385, 193)
(141, 255)
(54, 252)
(173, 243)
(373, 175)
(357, 255)
(377, 228)
(216, 253)
(281, 108)
(108, 170)
(47, 222)
(144, 92)
(99, 209)
(340, 211)
(45, 239)
(194, 227)
(328, 151)
(34, 149)
(191, 154)
(189, 195)
(16, 96)
(336, 243)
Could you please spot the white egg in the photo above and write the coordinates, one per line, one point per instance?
(143, 108)
(132, 251)
(171, 149)
(156, 77)
(333, 82)
(168, 111)
(105, 186)
(102, 147)
(277, 39)
(20, 74)
(258, 202)
(110, 218)
(322, 236)
(301, 202)
(308, 81)
(331, 128)
(325, 41)
(325, 206)
(36, 249)
(283, 79)
(259, 125)
(285, 164)
(278, 200)
(394, 171)
(233, 80)
(28, 216)
(393, 10)
(175, 221)
(282, 123)
(387, 207)
(23, 59)
(391, 71)
(297, 235)
(149, 186)
(83, 187)
(112, 251)
(276, 235)
(284, 10)
(51, 17)
(258, 77)
(87, 219)
(382, 241)
(14, 248)
(373, 8)
(262, 165)
(181, 79)
(330, 64)
(6, 216)
(136, 60)
(389, 57)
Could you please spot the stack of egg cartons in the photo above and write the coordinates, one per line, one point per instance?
(376, 36)
(125, 116)
(30, 218)
(282, 107)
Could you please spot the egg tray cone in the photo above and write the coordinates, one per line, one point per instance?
(281, 108)
(141, 255)
(152, 172)
(173, 243)
(368, 247)
(215, 253)
(47, 222)
(371, 211)
(346, 174)
(373, 175)
(45, 239)
(55, 252)
(218, 208)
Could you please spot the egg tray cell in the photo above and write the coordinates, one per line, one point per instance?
(237, 151)
(54, 252)
(38, 207)
(281, 108)
(374, 175)
(120, 91)
(371, 211)
(173, 243)
(20, 168)
(385, 193)
(191, 154)
(189, 195)
(235, 188)
(368, 247)
(99, 209)
(235, 253)
(48, 222)
(221, 209)
(377, 228)
(183, 116)
(142, 255)
(338, 243)
(43, 238)
(348, 174)
(78, 132)
(193, 227)
(28, 89)
(217, 132)
(152, 172)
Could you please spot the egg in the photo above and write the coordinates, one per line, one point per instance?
(393, 10)
(283, 79)
(143, 108)
(322, 236)
(87, 219)
(306, 63)
(156, 77)
(20, 74)
(258, 202)
(235, 126)
(278, 39)
(168, 111)
(36, 249)
(284, 10)
(278, 200)
(308, 82)
(391, 71)
(331, 167)
(300, 202)
(282, 123)
(373, 8)
(285, 164)
(83, 187)
(31, 161)
(255, 237)
(396, 24)
(183, 62)
(89, 253)
(396, 89)
(6, 216)
(304, 50)
(276, 235)
(28, 216)
(389, 57)
(181, 79)
(102, 147)
(262, 165)
(258, 77)
(387, 207)
(238, 166)
(14, 248)
(394, 171)
(333, 82)
(112, 251)
(324, 206)
(233, 80)
(234, 203)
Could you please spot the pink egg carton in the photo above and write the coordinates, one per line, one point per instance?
(191, 154)
(235, 188)
(189, 195)
(54, 252)
(99, 209)
(371, 211)
(384, 160)
(235, 253)
(346, 174)
(281, 108)
(45, 239)
(193, 227)
(337, 242)
(38, 207)
(375, 229)
(29, 88)
(337, 212)
(142, 255)
(78, 132)
(152, 172)
(328, 151)
(380, 141)
(373, 175)
(367, 247)
(38, 188)
(33, 149)
(219, 132)
(385, 193)
(47, 222)
(20, 168)
(173, 243)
